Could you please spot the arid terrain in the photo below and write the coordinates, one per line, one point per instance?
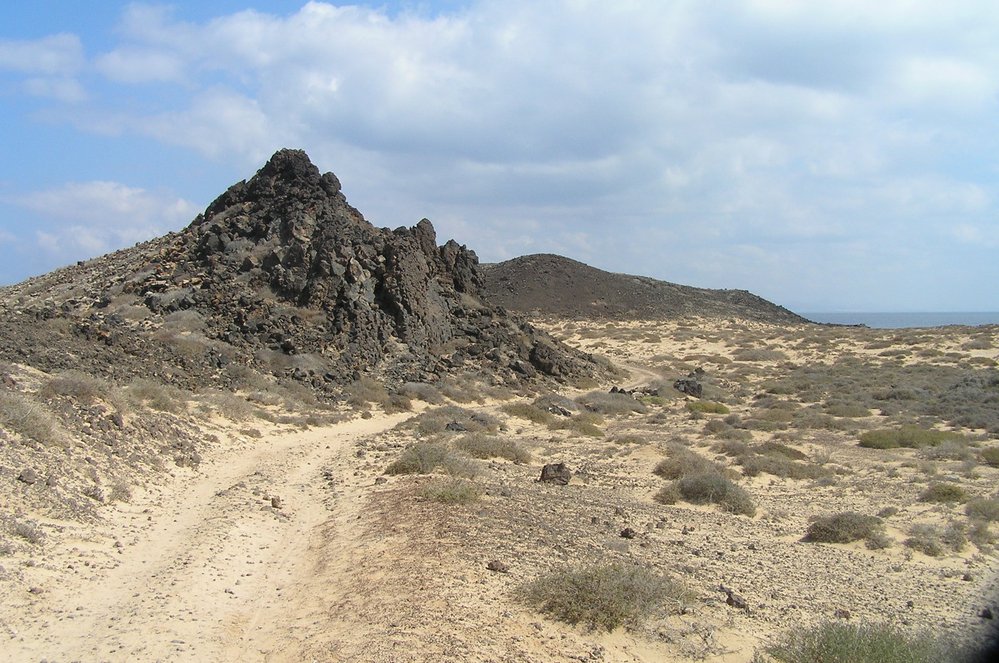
(289, 541)
(282, 434)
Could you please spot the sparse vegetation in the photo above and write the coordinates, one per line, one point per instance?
(714, 488)
(943, 492)
(707, 407)
(479, 445)
(845, 527)
(983, 509)
(603, 597)
(613, 405)
(838, 642)
(936, 541)
(28, 418)
(905, 436)
(426, 457)
(452, 491)
(529, 412)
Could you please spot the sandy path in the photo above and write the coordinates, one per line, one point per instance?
(208, 569)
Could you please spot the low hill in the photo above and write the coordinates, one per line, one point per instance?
(551, 284)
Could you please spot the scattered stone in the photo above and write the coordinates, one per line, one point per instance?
(967, 577)
(733, 599)
(35, 590)
(276, 502)
(498, 566)
(628, 533)
(28, 476)
(380, 480)
(986, 613)
(556, 473)
(842, 614)
(455, 426)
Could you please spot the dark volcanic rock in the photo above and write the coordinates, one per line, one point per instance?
(556, 473)
(279, 273)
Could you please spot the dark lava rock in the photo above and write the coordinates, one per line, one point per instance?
(280, 274)
(556, 473)
(689, 386)
(28, 476)
(628, 533)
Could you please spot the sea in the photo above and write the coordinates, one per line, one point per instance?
(905, 319)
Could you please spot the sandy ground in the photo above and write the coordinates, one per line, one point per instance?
(206, 568)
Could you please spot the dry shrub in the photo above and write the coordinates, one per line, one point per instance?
(426, 457)
(78, 385)
(478, 445)
(935, 541)
(839, 642)
(603, 597)
(452, 491)
(715, 488)
(530, 412)
(986, 509)
(611, 404)
(436, 420)
(906, 436)
(943, 492)
(29, 419)
(421, 391)
(844, 527)
(158, 396)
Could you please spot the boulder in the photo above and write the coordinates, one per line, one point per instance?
(556, 473)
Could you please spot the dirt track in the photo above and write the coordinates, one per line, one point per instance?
(207, 569)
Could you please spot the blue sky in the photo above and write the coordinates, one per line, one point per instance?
(833, 156)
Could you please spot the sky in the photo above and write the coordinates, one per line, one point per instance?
(834, 156)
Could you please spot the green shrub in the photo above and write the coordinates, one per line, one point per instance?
(715, 488)
(943, 492)
(479, 445)
(837, 642)
(452, 491)
(844, 527)
(847, 410)
(906, 436)
(603, 597)
(708, 407)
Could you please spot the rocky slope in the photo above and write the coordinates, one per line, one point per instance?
(279, 274)
(551, 284)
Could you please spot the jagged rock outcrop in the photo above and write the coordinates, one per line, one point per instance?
(281, 273)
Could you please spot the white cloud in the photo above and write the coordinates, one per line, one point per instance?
(67, 90)
(53, 55)
(89, 218)
(738, 130)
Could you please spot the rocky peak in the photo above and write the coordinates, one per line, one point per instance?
(281, 263)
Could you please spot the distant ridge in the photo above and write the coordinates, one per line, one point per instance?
(555, 285)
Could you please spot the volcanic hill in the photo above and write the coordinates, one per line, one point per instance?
(553, 285)
(282, 275)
